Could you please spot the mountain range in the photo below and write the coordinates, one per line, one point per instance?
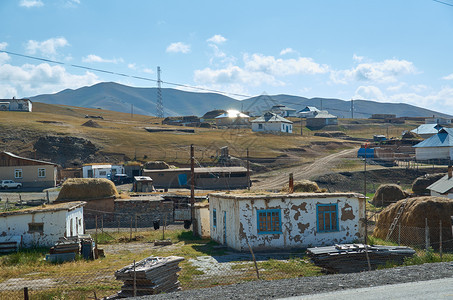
(122, 98)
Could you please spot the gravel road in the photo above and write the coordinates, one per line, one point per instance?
(313, 285)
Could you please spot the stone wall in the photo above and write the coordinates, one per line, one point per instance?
(146, 209)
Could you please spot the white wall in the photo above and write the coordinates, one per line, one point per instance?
(271, 127)
(298, 221)
(54, 226)
(433, 153)
(433, 193)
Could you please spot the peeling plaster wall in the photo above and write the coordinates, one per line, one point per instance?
(55, 226)
(298, 221)
(76, 216)
(202, 216)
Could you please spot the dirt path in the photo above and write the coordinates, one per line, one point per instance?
(276, 179)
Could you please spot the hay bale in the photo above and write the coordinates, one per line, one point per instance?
(156, 165)
(91, 123)
(303, 186)
(412, 221)
(387, 194)
(87, 189)
(410, 135)
(421, 183)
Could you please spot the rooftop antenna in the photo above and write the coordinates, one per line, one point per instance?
(159, 105)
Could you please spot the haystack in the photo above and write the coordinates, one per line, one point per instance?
(303, 186)
(412, 221)
(387, 194)
(91, 123)
(87, 189)
(421, 183)
(156, 165)
(410, 135)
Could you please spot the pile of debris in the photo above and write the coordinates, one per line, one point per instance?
(152, 275)
(350, 258)
(67, 248)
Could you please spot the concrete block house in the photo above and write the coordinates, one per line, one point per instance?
(285, 221)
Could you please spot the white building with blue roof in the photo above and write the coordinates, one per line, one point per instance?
(427, 130)
(437, 147)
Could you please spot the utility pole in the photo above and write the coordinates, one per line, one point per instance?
(321, 103)
(192, 190)
(160, 104)
(364, 190)
(248, 170)
(352, 110)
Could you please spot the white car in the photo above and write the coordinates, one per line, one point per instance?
(9, 184)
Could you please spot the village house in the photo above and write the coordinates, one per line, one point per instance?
(438, 147)
(31, 173)
(308, 112)
(283, 221)
(438, 120)
(233, 119)
(272, 123)
(427, 130)
(283, 110)
(321, 119)
(42, 226)
(101, 170)
(15, 105)
(444, 186)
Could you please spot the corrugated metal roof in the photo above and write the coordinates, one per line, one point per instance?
(442, 185)
(29, 159)
(425, 129)
(442, 139)
(324, 115)
(309, 109)
(271, 118)
(232, 114)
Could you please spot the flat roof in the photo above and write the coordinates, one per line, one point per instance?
(142, 198)
(45, 208)
(200, 170)
(254, 196)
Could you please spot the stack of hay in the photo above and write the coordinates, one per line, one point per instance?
(387, 194)
(86, 189)
(419, 186)
(303, 186)
(153, 275)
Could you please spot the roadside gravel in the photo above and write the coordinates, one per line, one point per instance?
(313, 285)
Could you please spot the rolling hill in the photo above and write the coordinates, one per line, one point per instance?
(122, 98)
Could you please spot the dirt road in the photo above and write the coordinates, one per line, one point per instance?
(276, 179)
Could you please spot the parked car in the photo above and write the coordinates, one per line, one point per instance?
(121, 179)
(9, 184)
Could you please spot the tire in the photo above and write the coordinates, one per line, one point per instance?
(18, 187)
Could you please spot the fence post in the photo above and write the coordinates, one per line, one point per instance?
(440, 239)
(102, 223)
(135, 282)
(26, 293)
(427, 243)
(130, 233)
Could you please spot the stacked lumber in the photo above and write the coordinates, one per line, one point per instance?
(350, 258)
(153, 275)
(66, 245)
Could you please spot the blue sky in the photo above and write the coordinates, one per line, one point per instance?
(387, 51)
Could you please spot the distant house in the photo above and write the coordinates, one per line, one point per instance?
(190, 121)
(436, 147)
(232, 119)
(427, 130)
(383, 116)
(31, 173)
(101, 171)
(44, 225)
(438, 120)
(15, 105)
(143, 184)
(308, 112)
(284, 221)
(321, 119)
(225, 178)
(271, 122)
(444, 186)
(283, 110)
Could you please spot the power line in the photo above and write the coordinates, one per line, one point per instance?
(125, 75)
(449, 4)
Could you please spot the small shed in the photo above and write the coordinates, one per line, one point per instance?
(321, 119)
(272, 123)
(143, 184)
(16, 105)
(233, 119)
(437, 147)
(101, 170)
(285, 221)
(42, 226)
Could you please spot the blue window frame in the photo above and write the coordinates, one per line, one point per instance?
(214, 218)
(269, 221)
(327, 217)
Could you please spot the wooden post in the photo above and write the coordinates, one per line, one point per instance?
(367, 257)
(254, 259)
(301, 128)
(291, 183)
(26, 293)
(96, 239)
(192, 190)
(248, 170)
(440, 239)
(135, 282)
(47, 197)
(102, 223)
(364, 190)
(427, 243)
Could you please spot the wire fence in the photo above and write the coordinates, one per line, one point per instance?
(205, 264)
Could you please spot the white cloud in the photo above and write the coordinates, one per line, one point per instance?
(419, 88)
(369, 93)
(448, 77)
(3, 45)
(217, 52)
(178, 47)
(30, 80)
(217, 39)
(283, 67)
(48, 47)
(357, 58)
(149, 71)
(383, 72)
(31, 3)
(397, 87)
(441, 100)
(97, 59)
(287, 51)
(132, 66)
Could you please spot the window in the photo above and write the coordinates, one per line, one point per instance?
(41, 172)
(18, 173)
(102, 173)
(269, 221)
(214, 218)
(327, 217)
(36, 227)
(260, 126)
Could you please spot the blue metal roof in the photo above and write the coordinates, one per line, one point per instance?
(425, 129)
(442, 139)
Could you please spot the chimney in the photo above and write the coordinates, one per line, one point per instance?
(450, 171)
